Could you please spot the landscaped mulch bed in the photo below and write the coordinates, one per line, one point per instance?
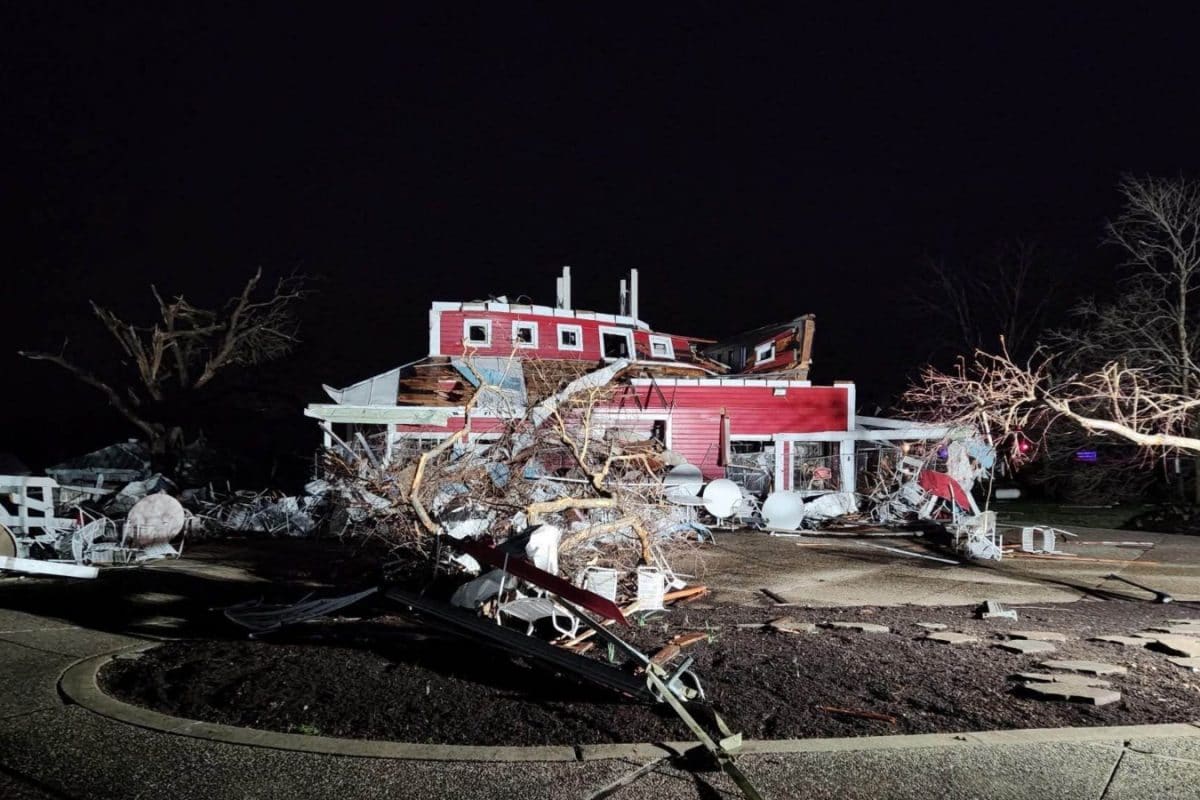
(384, 678)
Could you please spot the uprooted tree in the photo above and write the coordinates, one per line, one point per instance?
(165, 364)
(1128, 369)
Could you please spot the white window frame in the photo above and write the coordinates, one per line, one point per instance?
(487, 327)
(764, 352)
(625, 332)
(665, 341)
(525, 325)
(578, 330)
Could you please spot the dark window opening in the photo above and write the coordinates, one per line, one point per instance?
(477, 334)
(616, 345)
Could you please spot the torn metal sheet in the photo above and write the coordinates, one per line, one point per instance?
(261, 617)
(494, 557)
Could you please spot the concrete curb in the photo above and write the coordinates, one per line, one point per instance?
(78, 683)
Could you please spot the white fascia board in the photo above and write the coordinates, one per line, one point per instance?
(383, 415)
(601, 317)
(586, 315)
(496, 305)
(884, 422)
(816, 436)
(862, 435)
(473, 306)
(443, 305)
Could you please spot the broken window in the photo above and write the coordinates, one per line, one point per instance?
(764, 353)
(525, 334)
(815, 466)
(477, 332)
(616, 343)
(751, 464)
(570, 337)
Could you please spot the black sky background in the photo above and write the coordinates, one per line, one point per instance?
(753, 164)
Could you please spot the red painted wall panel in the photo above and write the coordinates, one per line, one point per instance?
(753, 411)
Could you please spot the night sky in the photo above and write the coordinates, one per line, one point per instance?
(754, 165)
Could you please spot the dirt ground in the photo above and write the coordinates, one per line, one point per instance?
(384, 677)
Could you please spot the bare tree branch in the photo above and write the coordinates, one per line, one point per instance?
(152, 431)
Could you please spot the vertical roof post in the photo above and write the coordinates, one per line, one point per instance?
(633, 293)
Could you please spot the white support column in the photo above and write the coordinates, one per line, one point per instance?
(782, 451)
(847, 465)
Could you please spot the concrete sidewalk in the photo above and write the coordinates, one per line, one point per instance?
(50, 749)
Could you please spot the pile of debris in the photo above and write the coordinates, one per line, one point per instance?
(579, 499)
(111, 507)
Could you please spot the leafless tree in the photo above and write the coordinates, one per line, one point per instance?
(186, 348)
(1153, 325)
(1127, 370)
(1004, 294)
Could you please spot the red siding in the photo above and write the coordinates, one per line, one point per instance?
(753, 410)
(695, 416)
(451, 335)
(478, 425)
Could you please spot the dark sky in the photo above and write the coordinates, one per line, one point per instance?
(754, 165)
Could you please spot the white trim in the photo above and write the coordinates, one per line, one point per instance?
(517, 325)
(435, 331)
(659, 339)
(558, 337)
(752, 437)
(781, 484)
(762, 348)
(738, 382)
(468, 323)
(851, 406)
(930, 434)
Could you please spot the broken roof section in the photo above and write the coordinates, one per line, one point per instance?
(784, 348)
